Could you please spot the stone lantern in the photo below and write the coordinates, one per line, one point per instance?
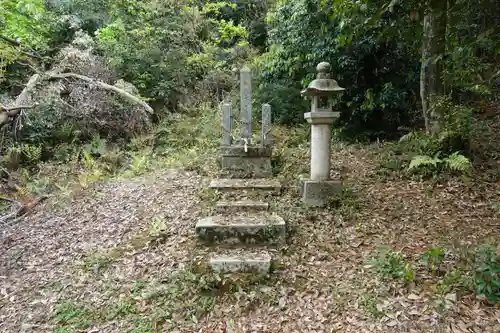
(316, 190)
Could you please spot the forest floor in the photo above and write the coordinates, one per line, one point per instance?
(119, 255)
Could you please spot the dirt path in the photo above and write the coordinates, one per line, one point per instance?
(41, 257)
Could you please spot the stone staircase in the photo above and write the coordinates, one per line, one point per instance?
(242, 230)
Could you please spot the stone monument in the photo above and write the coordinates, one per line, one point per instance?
(316, 190)
(241, 157)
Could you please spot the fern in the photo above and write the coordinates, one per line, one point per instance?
(457, 162)
(408, 137)
(421, 161)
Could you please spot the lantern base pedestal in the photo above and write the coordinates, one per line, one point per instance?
(316, 192)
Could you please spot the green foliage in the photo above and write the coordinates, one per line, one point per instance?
(487, 273)
(89, 15)
(376, 101)
(169, 49)
(392, 265)
(22, 155)
(452, 280)
(432, 258)
(470, 68)
(249, 15)
(73, 315)
(149, 43)
(456, 163)
(370, 302)
(26, 22)
(456, 133)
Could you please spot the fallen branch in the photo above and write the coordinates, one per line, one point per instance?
(20, 103)
(30, 205)
(23, 210)
(105, 86)
(10, 40)
(9, 113)
(16, 108)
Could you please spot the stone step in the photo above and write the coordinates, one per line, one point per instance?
(235, 184)
(240, 205)
(248, 228)
(241, 261)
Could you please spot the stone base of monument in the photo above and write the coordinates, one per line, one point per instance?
(242, 261)
(316, 192)
(252, 161)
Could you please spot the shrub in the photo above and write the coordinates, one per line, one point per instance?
(432, 258)
(487, 273)
(390, 265)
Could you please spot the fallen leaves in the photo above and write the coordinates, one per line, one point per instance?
(323, 274)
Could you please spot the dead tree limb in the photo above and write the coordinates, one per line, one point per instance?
(7, 114)
(105, 86)
(21, 101)
(16, 109)
(23, 210)
(10, 40)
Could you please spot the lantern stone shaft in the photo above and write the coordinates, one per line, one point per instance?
(316, 190)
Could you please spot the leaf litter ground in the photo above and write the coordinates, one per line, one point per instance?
(120, 258)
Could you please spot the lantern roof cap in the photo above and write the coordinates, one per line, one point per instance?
(323, 85)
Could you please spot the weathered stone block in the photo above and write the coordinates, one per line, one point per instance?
(245, 167)
(226, 124)
(251, 151)
(252, 161)
(232, 184)
(316, 192)
(243, 263)
(251, 229)
(242, 205)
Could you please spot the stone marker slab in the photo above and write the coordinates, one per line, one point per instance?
(252, 228)
(234, 184)
(246, 103)
(226, 124)
(316, 192)
(265, 136)
(225, 206)
(243, 263)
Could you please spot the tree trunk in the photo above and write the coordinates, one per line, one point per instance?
(433, 49)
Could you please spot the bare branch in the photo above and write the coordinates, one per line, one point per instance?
(10, 40)
(11, 112)
(16, 108)
(13, 217)
(105, 86)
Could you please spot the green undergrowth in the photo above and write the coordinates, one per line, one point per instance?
(186, 295)
(188, 142)
(473, 269)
